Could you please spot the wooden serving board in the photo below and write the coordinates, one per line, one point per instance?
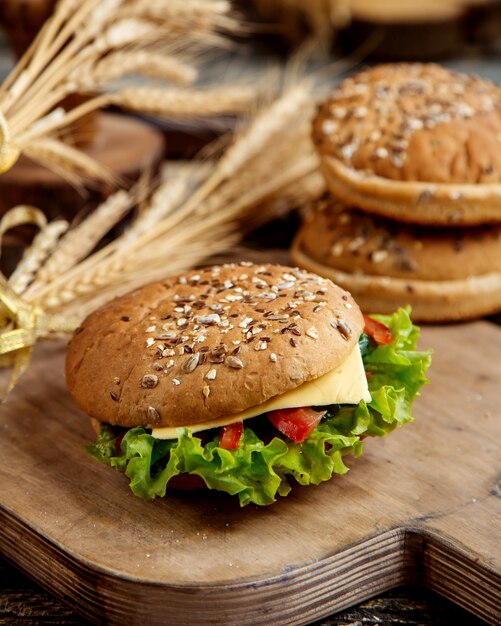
(423, 505)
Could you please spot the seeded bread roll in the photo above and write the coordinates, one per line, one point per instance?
(445, 274)
(415, 142)
(209, 344)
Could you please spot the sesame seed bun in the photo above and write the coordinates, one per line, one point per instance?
(209, 344)
(443, 273)
(414, 142)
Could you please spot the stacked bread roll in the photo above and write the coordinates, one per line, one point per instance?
(411, 154)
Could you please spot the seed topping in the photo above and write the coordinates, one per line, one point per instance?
(209, 320)
(215, 318)
(402, 103)
(234, 362)
(149, 381)
(211, 374)
(343, 328)
(190, 364)
(153, 415)
(312, 332)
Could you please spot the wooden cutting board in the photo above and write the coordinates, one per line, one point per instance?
(423, 505)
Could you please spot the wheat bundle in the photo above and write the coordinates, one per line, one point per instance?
(198, 210)
(88, 46)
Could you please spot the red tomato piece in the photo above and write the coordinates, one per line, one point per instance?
(379, 332)
(118, 442)
(297, 424)
(229, 436)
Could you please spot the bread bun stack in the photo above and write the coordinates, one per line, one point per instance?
(411, 154)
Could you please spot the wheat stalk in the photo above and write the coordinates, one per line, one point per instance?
(285, 165)
(283, 113)
(172, 102)
(43, 245)
(71, 163)
(197, 15)
(164, 201)
(82, 239)
(92, 44)
(187, 103)
(150, 64)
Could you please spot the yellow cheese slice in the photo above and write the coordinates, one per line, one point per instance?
(345, 385)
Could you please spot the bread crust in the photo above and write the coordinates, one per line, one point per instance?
(357, 242)
(413, 202)
(198, 347)
(444, 274)
(416, 142)
(431, 301)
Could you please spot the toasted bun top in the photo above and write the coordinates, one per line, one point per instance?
(209, 344)
(414, 122)
(352, 241)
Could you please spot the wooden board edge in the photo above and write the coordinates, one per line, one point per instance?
(454, 573)
(298, 596)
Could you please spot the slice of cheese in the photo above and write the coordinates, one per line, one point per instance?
(345, 385)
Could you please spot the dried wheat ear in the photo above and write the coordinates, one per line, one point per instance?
(88, 46)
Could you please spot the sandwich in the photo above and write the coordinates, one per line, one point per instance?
(386, 264)
(241, 378)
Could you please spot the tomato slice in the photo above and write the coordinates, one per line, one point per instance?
(297, 424)
(379, 332)
(229, 436)
(118, 442)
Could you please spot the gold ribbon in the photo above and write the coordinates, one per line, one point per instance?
(9, 152)
(23, 323)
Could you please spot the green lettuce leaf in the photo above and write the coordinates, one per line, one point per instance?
(257, 471)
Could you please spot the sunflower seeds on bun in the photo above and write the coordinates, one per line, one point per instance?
(414, 142)
(209, 343)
